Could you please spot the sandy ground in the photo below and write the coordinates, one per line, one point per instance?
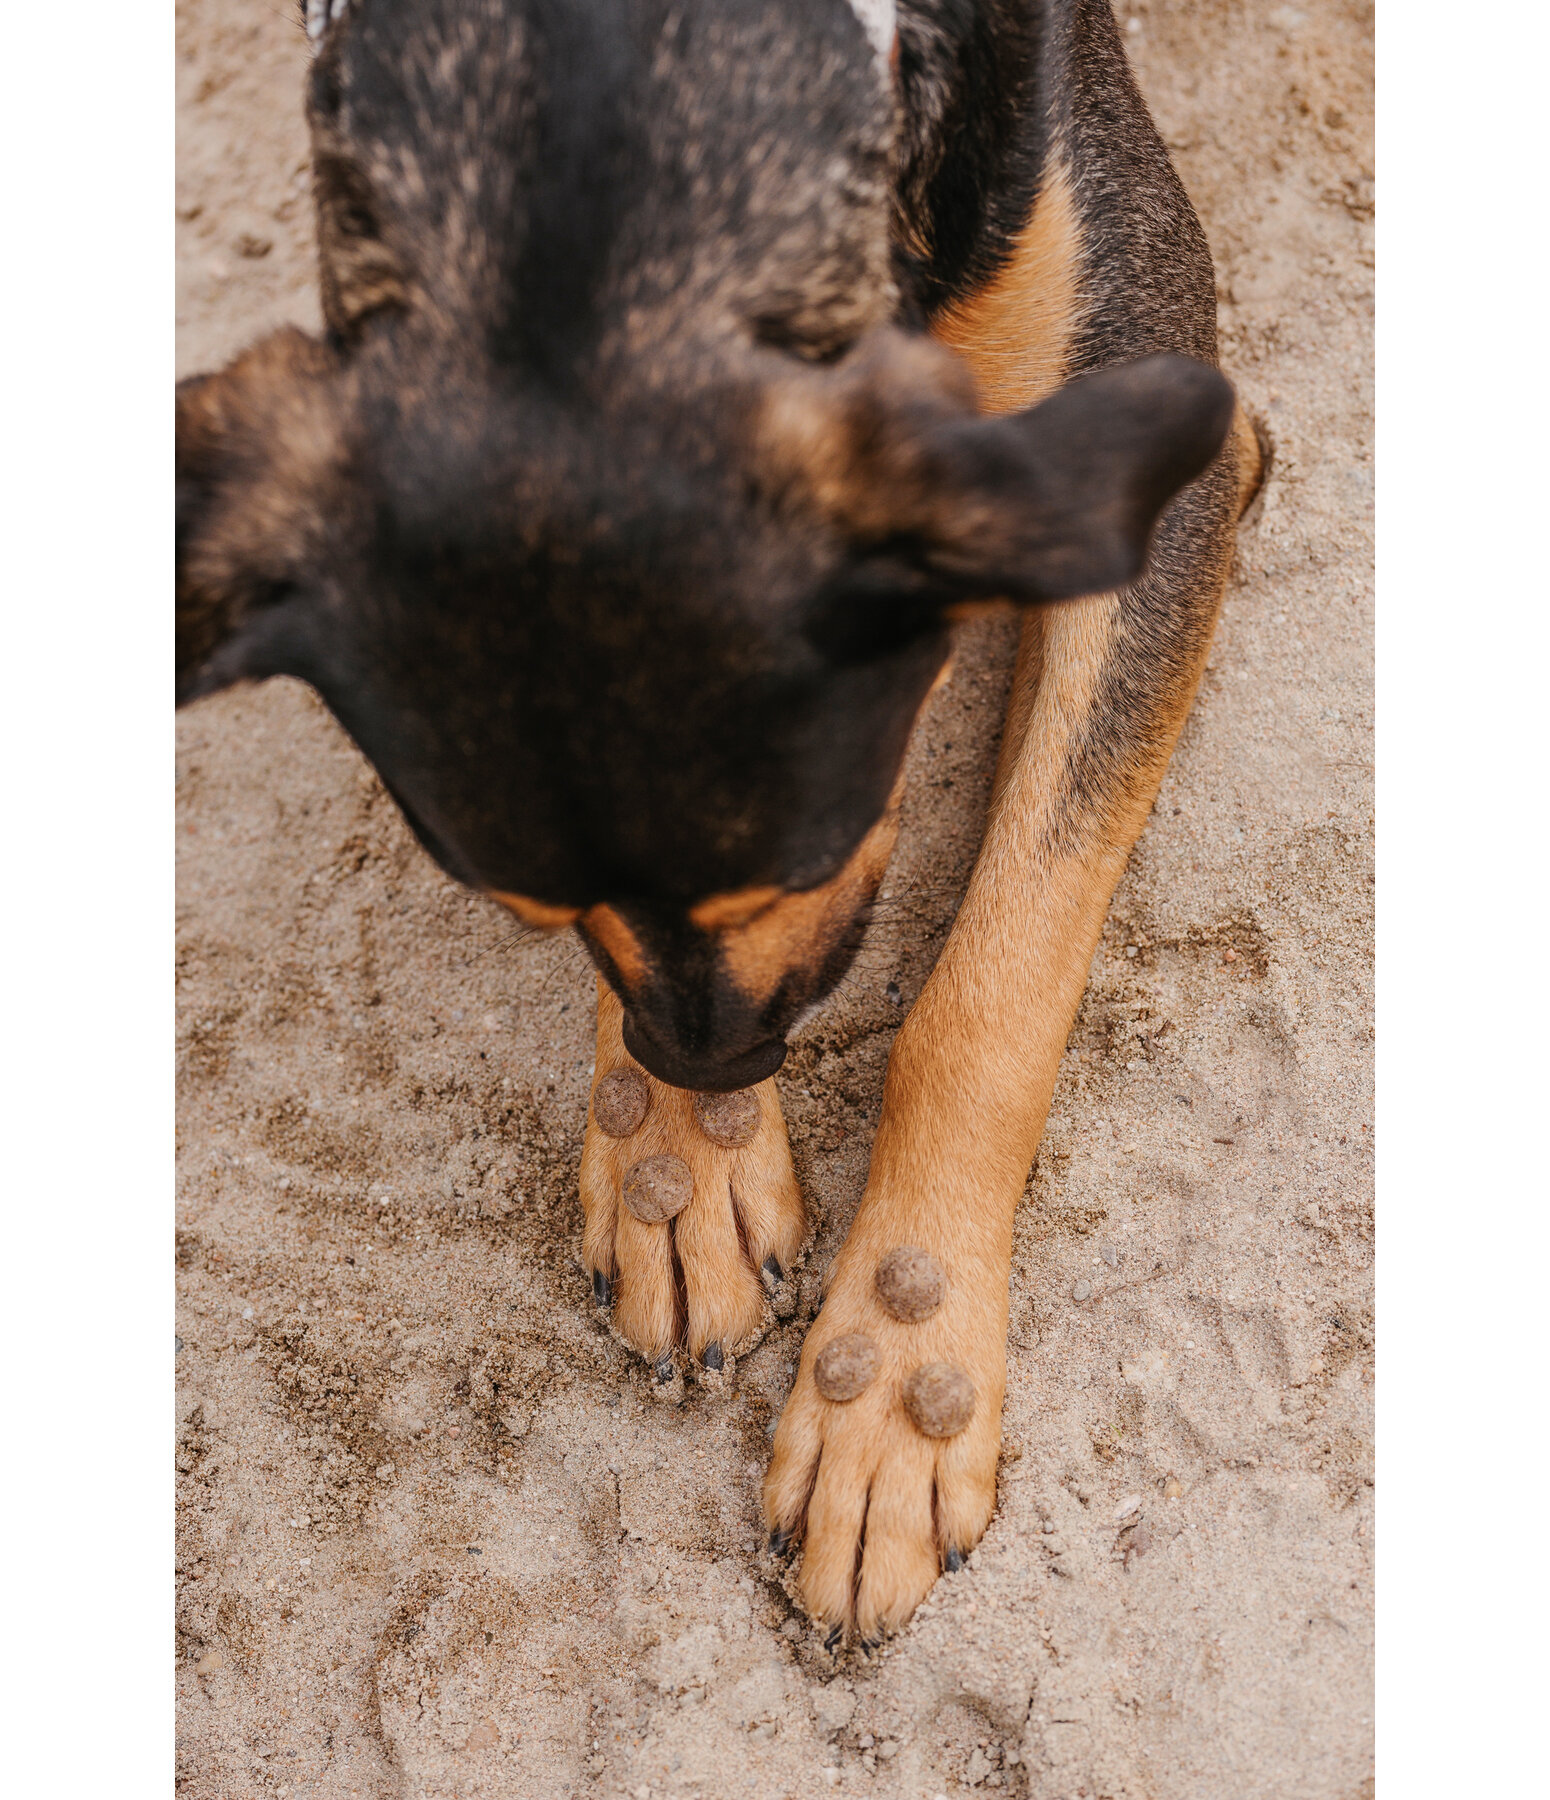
(435, 1540)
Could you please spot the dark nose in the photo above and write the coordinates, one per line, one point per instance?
(706, 1074)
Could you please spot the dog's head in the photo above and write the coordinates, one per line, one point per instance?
(616, 518)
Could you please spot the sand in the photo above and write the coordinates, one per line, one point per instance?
(435, 1540)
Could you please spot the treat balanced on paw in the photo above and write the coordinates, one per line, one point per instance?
(939, 1398)
(658, 1188)
(910, 1283)
(846, 1367)
(620, 1101)
(728, 1119)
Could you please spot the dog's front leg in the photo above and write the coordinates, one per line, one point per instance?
(694, 1218)
(882, 1502)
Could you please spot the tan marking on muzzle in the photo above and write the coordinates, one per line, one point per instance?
(729, 912)
(619, 943)
(798, 931)
(538, 913)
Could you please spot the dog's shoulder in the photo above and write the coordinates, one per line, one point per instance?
(1029, 157)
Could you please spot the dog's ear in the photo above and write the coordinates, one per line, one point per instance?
(256, 444)
(944, 506)
(1061, 500)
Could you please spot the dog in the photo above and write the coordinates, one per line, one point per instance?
(690, 367)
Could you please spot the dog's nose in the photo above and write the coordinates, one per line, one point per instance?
(706, 1074)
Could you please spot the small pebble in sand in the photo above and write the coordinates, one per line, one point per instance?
(728, 1119)
(1173, 1488)
(1082, 1291)
(1110, 1255)
(619, 1102)
(910, 1283)
(940, 1399)
(658, 1188)
(846, 1367)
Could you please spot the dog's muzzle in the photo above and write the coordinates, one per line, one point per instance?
(705, 1074)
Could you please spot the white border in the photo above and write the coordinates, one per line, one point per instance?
(1462, 709)
(85, 738)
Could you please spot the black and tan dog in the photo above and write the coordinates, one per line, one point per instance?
(690, 365)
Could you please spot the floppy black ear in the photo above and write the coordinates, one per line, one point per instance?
(255, 444)
(942, 505)
(1061, 500)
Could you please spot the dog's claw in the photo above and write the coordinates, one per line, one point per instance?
(712, 1358)
(829, 1643)
(662, 1369)
(772, 1272)
(954, 1560)
(602, 1289)
(780, 1541)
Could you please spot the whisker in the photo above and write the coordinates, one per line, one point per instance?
(519, 936)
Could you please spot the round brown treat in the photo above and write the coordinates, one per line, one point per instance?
(658, 1188)
(845, 1367)
(728, 1119)
(940, 1399)
(619, 1102)
(910, 1283)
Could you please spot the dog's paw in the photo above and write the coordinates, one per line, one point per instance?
(693, 1214)
(885, 1457)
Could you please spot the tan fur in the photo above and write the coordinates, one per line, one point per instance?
(729, 912)
(537, 913)
(1016, 332)
(972, 1070)
(618, 942)
(746, 1207)
(1251, 459)
(797, 928)
(851, 438)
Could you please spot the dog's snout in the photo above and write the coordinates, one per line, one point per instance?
(710, 1071)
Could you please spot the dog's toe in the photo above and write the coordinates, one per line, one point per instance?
(693, 1213)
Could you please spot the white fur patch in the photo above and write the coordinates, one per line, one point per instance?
(880, 22)
(320, 15)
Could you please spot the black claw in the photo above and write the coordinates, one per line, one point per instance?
(602, 1289)
(780, 1541)
(713, 1359)
(871, 1645)
(773, 1271)
(954, 1561)
(663, 1370)
(833, 1638)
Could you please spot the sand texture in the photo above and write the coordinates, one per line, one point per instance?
(435, 1538)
